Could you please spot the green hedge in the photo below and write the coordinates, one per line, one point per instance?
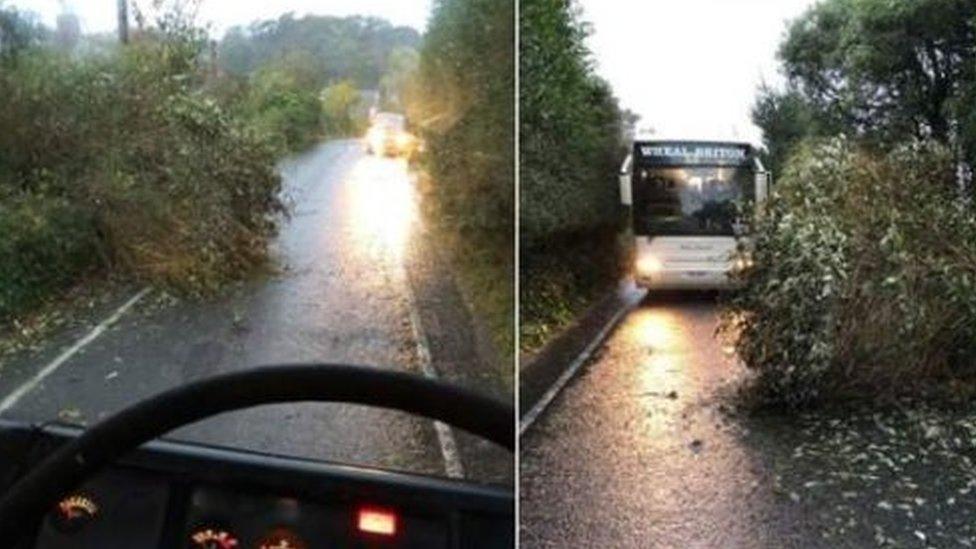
(570, 153)
(463, 106)
(570, 124)
(465, 110)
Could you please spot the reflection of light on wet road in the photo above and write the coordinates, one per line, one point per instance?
(655, 329)
(382, 203)
(639, 446)
(665, 370)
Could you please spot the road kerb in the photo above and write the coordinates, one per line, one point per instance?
(540, 406)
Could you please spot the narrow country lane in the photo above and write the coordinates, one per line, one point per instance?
(339, 295)
(642, 449)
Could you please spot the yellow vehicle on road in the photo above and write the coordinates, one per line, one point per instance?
(387, 136)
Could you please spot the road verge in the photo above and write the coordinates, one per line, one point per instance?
(459, 347)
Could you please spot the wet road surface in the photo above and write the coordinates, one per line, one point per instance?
(642, 449)
(340, 296)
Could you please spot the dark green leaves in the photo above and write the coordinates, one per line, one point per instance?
(887, 70)
(863, 279)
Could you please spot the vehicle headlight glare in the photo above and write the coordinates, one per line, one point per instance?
(743, 264)
(648, 265)
(376, 140)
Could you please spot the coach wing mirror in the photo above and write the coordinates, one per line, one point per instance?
(626, 198)
(763, 179)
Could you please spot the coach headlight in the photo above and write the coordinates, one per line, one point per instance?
(376, 138)
(741, 264)
(648, 266)
(403, 141)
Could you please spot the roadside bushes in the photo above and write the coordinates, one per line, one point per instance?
(561, 278)
(465, 111)
(124, 162)
(571, 142)
(463, 107)
(864, 282)
(287, 104)
(866, 260)
(571, 135)
(342, 110)
(282, 102)
(44, 245)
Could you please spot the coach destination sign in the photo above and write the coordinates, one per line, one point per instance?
(685, 153)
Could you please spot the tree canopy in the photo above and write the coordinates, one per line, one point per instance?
(356, 48)
(882, 71)
(18, 30)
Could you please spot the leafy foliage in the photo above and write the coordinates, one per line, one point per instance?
(399, 86)
(128, 162)
(466, 111)
(282, 101)
(787, 119)
(19, 30)
(864, 276)
(342, 109)
(560, 280)
(570, 128)
(967, 123)
(463, 109)
(571, 133)
(305, 74)
(46, 243)
(886, 71)
(863, 279)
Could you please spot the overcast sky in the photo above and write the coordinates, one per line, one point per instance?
(99, 15)
(690, 68)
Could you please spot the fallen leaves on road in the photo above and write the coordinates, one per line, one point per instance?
(70, 415)
(898, 477)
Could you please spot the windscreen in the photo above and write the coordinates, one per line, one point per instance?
(291, 219)
(690, 200)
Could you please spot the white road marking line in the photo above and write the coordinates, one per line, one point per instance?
(445, 436)
(11, 400)
(550, 395)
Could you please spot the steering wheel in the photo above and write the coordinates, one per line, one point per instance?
(26, 503)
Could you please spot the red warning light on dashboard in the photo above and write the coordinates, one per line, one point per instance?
(377, 521)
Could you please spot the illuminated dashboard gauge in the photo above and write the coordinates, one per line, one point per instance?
(212, 538)
(282, 538)
(74, 512)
